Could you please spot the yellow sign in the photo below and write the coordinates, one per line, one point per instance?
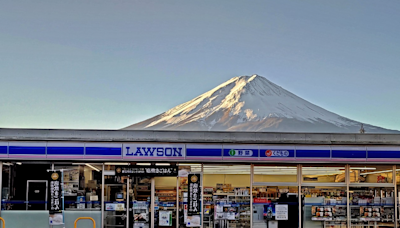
(193, 178)
(54, 176)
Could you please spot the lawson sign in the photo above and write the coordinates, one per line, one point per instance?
(154, 151)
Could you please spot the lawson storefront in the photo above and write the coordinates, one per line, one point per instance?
(147, 179)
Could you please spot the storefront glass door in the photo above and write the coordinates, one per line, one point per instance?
(275, 196)
(165, 206)
(117, 191)
(140, 202)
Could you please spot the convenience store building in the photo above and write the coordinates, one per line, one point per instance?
(149, 179)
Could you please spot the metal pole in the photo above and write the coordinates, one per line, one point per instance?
(102, 197)
(347, 178)
(201, 198)
(177, 202)
(63, 201)
(1, 183)
(251, 193)
(299, 194)
(395, 197)
(152, 201)
(127, 201)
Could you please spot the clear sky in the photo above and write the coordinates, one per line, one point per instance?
(106, 64)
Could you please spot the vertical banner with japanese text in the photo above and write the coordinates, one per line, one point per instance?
(54, 202)
(55, 192)
(194, 194)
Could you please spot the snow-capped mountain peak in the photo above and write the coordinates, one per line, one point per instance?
(250, 103)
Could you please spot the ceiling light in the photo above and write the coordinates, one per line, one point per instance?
(116, 163)
(383, 171)
(143, 163)
(98, 170)
(363, 168)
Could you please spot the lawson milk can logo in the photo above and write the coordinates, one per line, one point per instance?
(154, 151)
(240, 153)
(277, 153)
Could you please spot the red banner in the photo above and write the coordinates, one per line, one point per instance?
(261, 200)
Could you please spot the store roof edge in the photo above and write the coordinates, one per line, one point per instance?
(8, 134)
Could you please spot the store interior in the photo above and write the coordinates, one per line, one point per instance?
(334, 196)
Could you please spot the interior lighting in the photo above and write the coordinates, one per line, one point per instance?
(363, 168)
(383, 171)
(98, 170)
(143, 163)
(116, 163)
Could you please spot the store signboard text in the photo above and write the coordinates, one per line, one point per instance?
(146, 170)
(153, 150)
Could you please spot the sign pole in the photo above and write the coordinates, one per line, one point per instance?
(152, 202)
(127, 200)
(177, 203)
(201, 200)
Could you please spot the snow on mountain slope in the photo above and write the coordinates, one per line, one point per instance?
(251, 103)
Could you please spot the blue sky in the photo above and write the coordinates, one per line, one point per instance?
(109, 64)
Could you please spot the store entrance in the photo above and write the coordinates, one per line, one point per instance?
(127, 201)
(116, 213)
(275, 207)
(165, 202)
(140, 196)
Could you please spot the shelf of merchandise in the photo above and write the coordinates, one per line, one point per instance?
(243, 209)
(140, 210)
(142, 192)
(167, 196)
(373, 224)
(335, 217)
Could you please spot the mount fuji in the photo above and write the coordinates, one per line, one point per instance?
(252, 103)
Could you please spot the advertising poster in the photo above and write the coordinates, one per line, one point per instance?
(56, 219)
(193, 221)
(110, 206)
(194, 194)
(269, 210)
(165, 218)
(281, 212)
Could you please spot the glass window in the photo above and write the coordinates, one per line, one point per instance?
(25, 190)
(323, 174)
(371, 174)
(275, 205)
(372, 205)
(24, 194)
(227, 193)
(82, 185)
(325, 207)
